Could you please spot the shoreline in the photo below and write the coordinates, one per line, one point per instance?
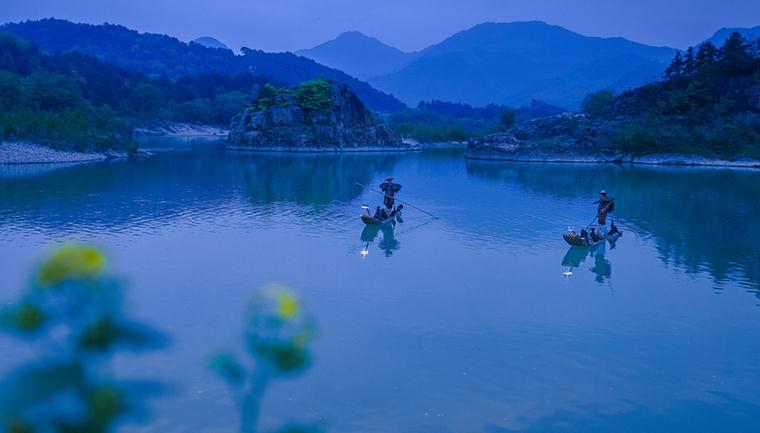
(16, 153)
(664, 159)
(181, 130)
(285, 149)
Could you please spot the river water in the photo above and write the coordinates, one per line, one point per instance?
(461, 324)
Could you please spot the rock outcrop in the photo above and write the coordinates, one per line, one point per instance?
(572, 137)
(569, 137)
(318, 116)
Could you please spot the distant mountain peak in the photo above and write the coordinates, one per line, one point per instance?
(358, 54)
(353, 34)
(209, 42)
(719, 37)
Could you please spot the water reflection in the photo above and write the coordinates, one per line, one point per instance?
(388, 242)
(601, 267)
(311, 179)
(688, 212)
(173, 185)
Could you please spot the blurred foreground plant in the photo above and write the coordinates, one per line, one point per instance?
(278, 332)
(72, 315)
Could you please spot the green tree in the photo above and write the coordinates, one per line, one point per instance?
(147, 100)
(270, 96)
(227, 105)
(507, 118)
(53, 91)
(689, 62)
(314, 96)
(675, 68)
(11, 91)
(707, 54)
(735, 55)
(596, 104)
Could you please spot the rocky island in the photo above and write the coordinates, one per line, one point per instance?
(317, 116)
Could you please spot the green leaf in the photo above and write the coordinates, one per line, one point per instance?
(26, 317)
(228, 368)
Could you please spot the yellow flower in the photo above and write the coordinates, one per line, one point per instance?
(287, 304)
(70, 262)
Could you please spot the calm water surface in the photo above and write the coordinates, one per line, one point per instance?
(462, 324)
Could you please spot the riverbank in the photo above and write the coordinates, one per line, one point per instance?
(30, 153)
(671, 159)
(322, 149)
(434, 145)
(575, 138)
(181, 130)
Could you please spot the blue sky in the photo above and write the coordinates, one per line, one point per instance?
(282, 25)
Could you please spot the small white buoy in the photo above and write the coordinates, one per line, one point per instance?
(567, 273)
(364, 253)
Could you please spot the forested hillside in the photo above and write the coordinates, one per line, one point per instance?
(709, 102)
(158, 55)
(74, 100)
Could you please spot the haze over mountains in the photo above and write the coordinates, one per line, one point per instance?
(506, 63)
(503, 63)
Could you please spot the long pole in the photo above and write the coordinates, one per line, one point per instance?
(600, 212)
(402, 202)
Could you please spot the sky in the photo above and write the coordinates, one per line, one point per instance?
(288, 25)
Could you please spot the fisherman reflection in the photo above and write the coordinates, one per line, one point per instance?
(575, 256)
(387, 243)
(602, 267)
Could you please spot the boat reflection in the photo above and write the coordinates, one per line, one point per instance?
(601, 267)
(387, 243)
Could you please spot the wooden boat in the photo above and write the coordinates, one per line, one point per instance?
(370, 220)
(576, 240)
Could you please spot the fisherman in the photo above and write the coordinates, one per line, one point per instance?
(389, 189)
(605, 205)
(381, 214)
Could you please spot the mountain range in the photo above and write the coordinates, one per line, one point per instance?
(157, 55)
(512, 63)
(503, 63)
(490, 63)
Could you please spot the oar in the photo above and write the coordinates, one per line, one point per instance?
(402, 202)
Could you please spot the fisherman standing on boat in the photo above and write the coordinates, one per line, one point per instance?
(605, 205)
(389, 190)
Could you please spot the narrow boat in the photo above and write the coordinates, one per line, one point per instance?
(576, 240)
(370, 220)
